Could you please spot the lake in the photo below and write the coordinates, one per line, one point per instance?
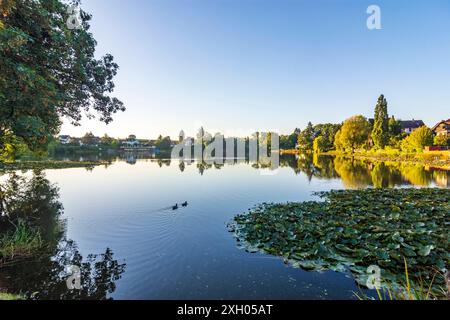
(118, 224)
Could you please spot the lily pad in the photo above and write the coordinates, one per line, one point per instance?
(353, 229)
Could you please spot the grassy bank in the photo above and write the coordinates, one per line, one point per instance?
(436, 159)
(49, 164)
(289, 151)
(19, 243)
(9, 296)
(354, 229)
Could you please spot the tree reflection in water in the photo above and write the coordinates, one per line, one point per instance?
(354, 173)
(43, 274)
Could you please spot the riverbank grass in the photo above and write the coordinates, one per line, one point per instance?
(436, 159)
(49, 164)
(8, 296)
(19, 243)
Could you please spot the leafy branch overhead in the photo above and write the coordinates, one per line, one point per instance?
(49, 71)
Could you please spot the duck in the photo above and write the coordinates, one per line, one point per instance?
(185, 204)
(175, 207)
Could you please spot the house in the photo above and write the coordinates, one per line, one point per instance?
(131, 142)
(442, 128)
(409, 126)
(64, 139)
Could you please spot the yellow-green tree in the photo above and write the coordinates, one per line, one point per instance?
(441, 140)
(418, 139)
(354, 134)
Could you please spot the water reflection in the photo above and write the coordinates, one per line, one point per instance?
(34, 202)
(354, 173)
(185, 254)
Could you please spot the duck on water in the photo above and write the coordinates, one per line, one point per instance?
(184, 204)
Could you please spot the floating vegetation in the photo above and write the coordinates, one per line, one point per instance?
(353, 229)
(49, 164)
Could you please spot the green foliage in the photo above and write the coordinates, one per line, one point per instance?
(419, 139)
(380, 131)
(22, 241)
(326, 132)
(306, 138)
(410, 289)
(353, 229)
(163, 143)
(441, 140)
(89, 139)
(289, 141)
(319, 144)
(353, 134)
(9, 296)
(395, 127)
(48, 71)
(325, 135)
(18, 194)
(106, 140)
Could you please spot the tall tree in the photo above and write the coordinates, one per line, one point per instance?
(380, 131)
(395, 127)
(306, 138)
(49, 71)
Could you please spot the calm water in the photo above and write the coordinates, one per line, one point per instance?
(148, 251)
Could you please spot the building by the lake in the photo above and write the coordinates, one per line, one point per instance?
(442, 128)
(409, 126)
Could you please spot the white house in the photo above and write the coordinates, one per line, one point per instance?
(64, 139)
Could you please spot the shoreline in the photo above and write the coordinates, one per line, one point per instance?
(49, 164)
(433, 159)
(436, 160)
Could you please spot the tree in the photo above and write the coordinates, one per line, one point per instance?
(338, 144)
(289, 141)
(89, 139)
(380, 132)
(395, 127)
(419, 139)
(106, 140)
(319, 144)
(306, 138)
(354, 133)
(48, 71)
(441, 140)
(163, 143)
(326, 132)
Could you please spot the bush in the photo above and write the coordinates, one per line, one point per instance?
(441, 140)
(418, 140)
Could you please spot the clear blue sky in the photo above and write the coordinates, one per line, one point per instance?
(239, 65)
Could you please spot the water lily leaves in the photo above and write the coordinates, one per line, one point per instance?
(425, 250)
(352, 229)
(344, 248)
